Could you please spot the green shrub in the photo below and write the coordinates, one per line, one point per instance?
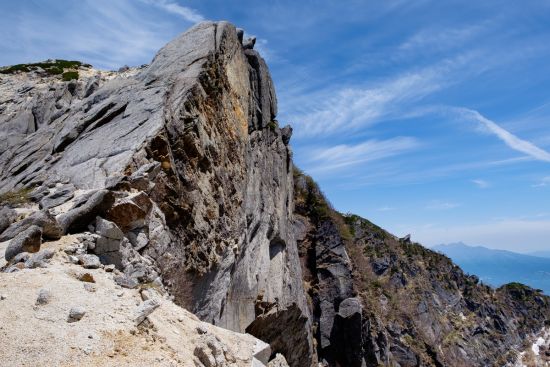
(272, 125)
(54, 67)
(16, 197)
(54, 70)
(516, 286)
(376, 284)
(15, 68)
(70, 75)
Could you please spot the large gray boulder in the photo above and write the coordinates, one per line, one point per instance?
(39, 259)
(7, 217)
(348, 333)
(278, 361)
(127, 214)
(108, 229)
(108, 243)
(84, 212)
(335, 279)
(43, 219)
(145, 309)
(89, 261)
(285, 329)
(27, 241)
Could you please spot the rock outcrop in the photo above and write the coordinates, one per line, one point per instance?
(186, 159)
(28, 240)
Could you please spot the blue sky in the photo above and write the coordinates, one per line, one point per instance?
(427, 117)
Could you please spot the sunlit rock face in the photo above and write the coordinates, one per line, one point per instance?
(199, 166)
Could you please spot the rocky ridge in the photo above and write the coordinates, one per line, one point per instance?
(381, 300)
(173, 185)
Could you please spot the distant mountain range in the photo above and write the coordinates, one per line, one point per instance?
(497, 267)
(540, 253)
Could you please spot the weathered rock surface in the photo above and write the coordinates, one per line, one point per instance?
(145, 309)
(106, 334)
(108, 229)
(85, 211)
(42, 219)
(7, 217)
(278, 361)
(43, 298)
(89, 261)
(39, 259)
(28, 240)
(195, 134)
(287, 332)
(76, 314)
(59, 196)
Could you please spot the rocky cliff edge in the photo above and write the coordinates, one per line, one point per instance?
(176, 173)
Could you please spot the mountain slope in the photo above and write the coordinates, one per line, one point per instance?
(540, 253)
(497, 267)
(403, 304)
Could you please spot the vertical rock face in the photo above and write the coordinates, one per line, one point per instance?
(200, 170)
(328, 272)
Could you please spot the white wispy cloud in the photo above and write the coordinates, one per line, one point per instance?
(440, 39)
(482, 184)
(396, 173)
(507, 137)
(545, 181)
(441, 205)
(106, 34)
(351, 108)
(189, 14)
(328, 159)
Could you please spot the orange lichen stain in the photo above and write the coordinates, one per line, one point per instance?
(240, 116)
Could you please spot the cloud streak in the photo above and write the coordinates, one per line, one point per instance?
(482, 184)
(323, 160)
(353, 107)
(507, 137)
(441, 205)
(173, 7)
(440, 39)
(545, 181)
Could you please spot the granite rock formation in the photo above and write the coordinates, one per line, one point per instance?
(185, 158)
(175, 176)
